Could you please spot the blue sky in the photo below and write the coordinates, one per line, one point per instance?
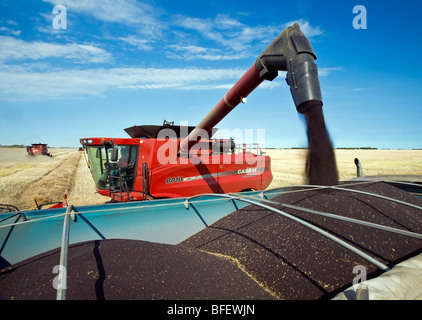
(120, 63)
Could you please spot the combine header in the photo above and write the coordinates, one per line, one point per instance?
(38, 148)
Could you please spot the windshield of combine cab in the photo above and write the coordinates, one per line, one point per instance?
(104, 168)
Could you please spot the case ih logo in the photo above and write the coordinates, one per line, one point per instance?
(247, 170)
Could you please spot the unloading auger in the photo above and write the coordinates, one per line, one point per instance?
(291, 51)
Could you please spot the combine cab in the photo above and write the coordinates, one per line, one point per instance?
(150, 165)
(38, 148)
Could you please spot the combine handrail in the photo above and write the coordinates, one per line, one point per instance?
(337, 217)
(30, 221)
(306, 224)
(257, 202)
(90, 211)
(365, 193)
(10, 217)
(62, 277)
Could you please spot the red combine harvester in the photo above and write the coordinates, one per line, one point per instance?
(38, 148)
(149, 165)
(176, 161)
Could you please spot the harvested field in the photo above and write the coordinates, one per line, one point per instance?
(24, 179)
(288, 165)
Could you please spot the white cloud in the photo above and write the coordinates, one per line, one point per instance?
(141, 44)
(306, 28)
(12, 49)
(225, 31)
(323, 72)
(237, 40)
(41, 81)
(12, 23)
(228, 31)
(234, 39)
(216, 39)
(191, 52)
(10, 31)
(26, 83)
(127, 12)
